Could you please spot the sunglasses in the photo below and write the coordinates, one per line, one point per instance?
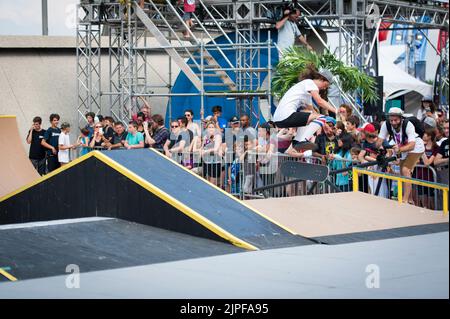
(174, 126)
(187, 115)
(98, 126)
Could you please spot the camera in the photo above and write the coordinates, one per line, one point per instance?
(292, 6)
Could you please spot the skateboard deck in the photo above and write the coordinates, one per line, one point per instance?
(305, 171)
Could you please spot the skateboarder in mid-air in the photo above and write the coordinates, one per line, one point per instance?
(296, 107)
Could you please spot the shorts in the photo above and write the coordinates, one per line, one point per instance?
(212, 170)
(410, 161)
(187, 16)
(296, 119)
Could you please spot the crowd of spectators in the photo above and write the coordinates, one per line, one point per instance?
(236, 156)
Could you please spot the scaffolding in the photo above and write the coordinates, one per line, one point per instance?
(129, 34)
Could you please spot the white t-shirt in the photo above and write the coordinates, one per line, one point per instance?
(410, 131)
(63, 155)
(297, 97)
(287, 35)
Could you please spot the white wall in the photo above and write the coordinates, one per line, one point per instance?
(41, 82)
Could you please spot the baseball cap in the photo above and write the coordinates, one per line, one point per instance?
(234, 119)
(427, 98)
(429, 121)
(395, 111)
(327, 74)
(368, 128)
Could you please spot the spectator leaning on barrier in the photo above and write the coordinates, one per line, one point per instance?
(50, 142)
(37, 151)
(175, 145)
(247, 130)
(326, 143)
(426, 194)
(342, 158)
(345, 111)
(134, 138)
(285, 136)
(108, 129)
(119, 137)
(211, 153)
(97, 138)
(406, 143)
(441, 159)
(369, 149)
(266, 150)
(351, 126)
(194, 127)
(83, 140)
(159, 133)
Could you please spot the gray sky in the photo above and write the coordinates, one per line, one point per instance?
(23, 17)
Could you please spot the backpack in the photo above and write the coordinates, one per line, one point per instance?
(418, 126)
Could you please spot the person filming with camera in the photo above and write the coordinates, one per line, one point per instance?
(288, 30)
(407, 143)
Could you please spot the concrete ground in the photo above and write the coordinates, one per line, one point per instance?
(409, 267)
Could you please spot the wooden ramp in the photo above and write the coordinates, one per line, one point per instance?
(344, 213)
(16, 169)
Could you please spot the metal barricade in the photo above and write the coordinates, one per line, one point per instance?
(423, 196)
(263, 169)
(401, 181)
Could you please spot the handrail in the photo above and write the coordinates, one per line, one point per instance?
(400, 180)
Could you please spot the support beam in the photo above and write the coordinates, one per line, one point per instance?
(44, 9)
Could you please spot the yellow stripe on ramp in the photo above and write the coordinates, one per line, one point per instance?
(7, 275)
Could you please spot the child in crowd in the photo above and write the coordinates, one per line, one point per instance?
(83, 140)
(64, 144)
(342, 159)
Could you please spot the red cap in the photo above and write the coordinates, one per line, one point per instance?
(368, 128)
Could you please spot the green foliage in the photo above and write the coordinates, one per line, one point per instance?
(296, 59)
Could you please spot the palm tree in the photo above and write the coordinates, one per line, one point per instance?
(296, 59)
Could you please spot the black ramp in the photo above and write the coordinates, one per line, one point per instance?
(213, 204)
(44, 251)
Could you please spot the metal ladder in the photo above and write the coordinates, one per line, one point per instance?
(204, 66)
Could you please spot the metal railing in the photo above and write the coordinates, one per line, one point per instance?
(243, 174)
(395, 190)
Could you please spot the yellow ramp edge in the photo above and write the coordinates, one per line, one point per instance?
(148, 186)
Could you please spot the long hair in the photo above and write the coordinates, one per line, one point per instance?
(432, 134)
(347, 142)
(311, 73)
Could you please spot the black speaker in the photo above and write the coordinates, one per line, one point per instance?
(375, 108)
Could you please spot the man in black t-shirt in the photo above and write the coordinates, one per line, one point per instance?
(37, 151)
(119, 136)
(50, 142)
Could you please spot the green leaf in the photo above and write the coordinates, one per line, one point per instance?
(296, 59)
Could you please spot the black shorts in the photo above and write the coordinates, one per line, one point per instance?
(296, 119)
(212, 170)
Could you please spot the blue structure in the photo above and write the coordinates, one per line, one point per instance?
(184, 85)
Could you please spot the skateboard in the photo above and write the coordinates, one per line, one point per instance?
(305, 171)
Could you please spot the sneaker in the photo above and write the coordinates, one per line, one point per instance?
(304, 146)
